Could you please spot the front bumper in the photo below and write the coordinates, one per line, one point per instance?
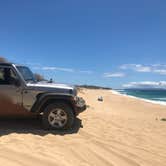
(80, 105)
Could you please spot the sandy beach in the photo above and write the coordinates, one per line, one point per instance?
(120, 131)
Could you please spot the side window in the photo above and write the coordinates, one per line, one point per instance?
(7, 76)
(2, 76)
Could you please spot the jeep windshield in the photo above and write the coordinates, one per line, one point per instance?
(26, 73)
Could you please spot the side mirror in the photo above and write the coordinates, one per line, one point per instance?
(50, 81)
(17, 82)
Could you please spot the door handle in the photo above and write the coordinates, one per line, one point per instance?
(25, 91)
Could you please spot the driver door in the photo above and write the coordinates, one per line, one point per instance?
(10, 94)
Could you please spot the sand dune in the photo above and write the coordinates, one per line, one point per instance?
(119, 131)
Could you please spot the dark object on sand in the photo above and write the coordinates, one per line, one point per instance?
(163, 119)
(100, 98)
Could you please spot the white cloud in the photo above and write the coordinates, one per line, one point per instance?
(32, 64)
(58, 69)
(85, 71)
(160, 71)
(159, 65)
(146, 85)
(110, 75)
(153, 68)
(143, 68)
(136, 67)
(66, 70)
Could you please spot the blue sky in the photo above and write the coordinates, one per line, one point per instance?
(107, 43)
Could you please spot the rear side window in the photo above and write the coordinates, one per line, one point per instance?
(1, 74)
(7, 76)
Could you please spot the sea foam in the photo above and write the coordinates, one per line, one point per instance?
(142, 99)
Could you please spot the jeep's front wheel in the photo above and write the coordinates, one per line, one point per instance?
(58, 116)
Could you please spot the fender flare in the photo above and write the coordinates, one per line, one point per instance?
(42, 100)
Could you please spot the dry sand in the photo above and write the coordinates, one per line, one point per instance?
(120, 131)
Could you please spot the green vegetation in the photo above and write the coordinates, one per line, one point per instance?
(92, 87)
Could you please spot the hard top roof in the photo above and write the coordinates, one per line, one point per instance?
(6, 63)
(9, 64)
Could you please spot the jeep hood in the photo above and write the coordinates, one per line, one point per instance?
(51, 87)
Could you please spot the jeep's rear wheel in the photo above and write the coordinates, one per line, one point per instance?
(58, 116)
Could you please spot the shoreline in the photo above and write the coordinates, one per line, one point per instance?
(162, 103)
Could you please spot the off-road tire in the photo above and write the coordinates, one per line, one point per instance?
(62, 106)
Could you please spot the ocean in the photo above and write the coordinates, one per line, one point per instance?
(154, 96)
